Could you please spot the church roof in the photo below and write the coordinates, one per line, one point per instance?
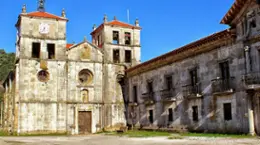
(116, 23)
(233, 11)
(182, 52)
(43, 15)
(69, 45)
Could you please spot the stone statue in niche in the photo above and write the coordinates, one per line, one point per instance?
(84, 96)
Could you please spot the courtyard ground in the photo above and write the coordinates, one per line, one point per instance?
(117, 140)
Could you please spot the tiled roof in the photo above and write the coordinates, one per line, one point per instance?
(69, 45)
(116, 23)
(43, 15)
(121, 24)
(160, 60)
(233, 11)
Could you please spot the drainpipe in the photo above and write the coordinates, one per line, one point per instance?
(250, 106)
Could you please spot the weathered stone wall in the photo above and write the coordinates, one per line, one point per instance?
(210, 119)
(43, 104)
(114, 110)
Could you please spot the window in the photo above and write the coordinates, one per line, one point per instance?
(253, 24)
(227, 111)
(127, 38)
(43, 76)
(150, 87)
(116, 56)
(169, 82)
(195, 115)
(224, 67)
(128, 56)
(98, 40)
(135, 94)
(170, 115)
(194, 77)
(36, 49)
(151, 116)
(115, 37)
(51, 51)
(85, 77)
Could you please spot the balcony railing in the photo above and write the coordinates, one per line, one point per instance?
(252, 80)
(168, 95)
(148, 98)
(192, 90)
(220, 85)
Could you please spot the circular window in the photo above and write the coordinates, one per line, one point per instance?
(85, 77)
(43, 76)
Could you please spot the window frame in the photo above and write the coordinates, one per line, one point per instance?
(128, 60)
(39, 50)
(115, 41)
(227, 115)
(54, 50)
(135, 94)
(116, 59)
(128, 37)
(170, 114)
(195, 113)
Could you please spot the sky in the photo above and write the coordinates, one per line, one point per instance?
(166, 24)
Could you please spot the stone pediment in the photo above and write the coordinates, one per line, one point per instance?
(84, 51)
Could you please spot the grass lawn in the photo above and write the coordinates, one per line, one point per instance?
(137, 133)
(144, 134)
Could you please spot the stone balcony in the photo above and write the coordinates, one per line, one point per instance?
(133, 104)
(252, 81)
(148, 98)
(192, 91)
(223, 86)
(168, 95)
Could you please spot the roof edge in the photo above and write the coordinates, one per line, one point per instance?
(184, 48)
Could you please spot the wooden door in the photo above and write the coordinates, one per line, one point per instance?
(85, 118)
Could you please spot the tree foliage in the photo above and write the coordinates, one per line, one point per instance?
(6, 63)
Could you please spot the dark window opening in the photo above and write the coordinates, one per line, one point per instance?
(253, 24)
(194, 77)
(195, 115)
(135, 94)
(127, 38)
(224, 67)
(43, 76)
(170, 115)
(169, 82)
(227, 111)
(150, 87)
(115, 37)
(116, 56)
(128, 56)
(51, 51)
(36, 49)
(151, 116)
(98, 40)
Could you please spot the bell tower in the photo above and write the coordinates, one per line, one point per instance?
(120, 41)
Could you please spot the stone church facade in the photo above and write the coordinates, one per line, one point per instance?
(58, 87)
(210, 85)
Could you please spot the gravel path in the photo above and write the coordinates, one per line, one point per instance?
(113, 140)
